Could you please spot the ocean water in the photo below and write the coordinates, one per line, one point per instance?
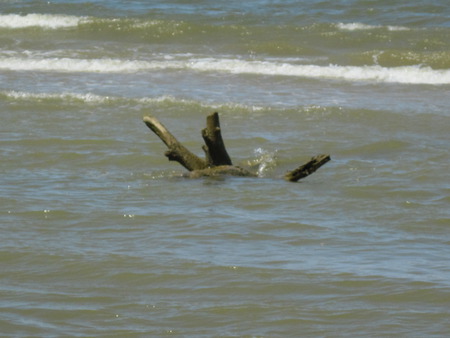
(100, 236)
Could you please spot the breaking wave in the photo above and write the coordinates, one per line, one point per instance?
(95, 99)
(405, 74)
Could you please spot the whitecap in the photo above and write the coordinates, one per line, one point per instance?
(47, 21)
(356, 26)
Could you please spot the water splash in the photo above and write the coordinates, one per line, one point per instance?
(265, 162)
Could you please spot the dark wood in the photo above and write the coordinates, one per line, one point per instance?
(216, 153)
(307, 169)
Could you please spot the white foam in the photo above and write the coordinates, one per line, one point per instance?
(356, 26)
(87, 98)
(374, 73)
(48, 21)
(91, 98)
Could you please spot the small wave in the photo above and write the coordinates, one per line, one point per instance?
(404, 74)
(78, 65)
(376, 73)
(357, 26)
(91, 24)
(90, 98)
(46, 21)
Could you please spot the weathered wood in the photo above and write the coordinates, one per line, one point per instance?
(307, 169)
(216, 153)
(177, 152)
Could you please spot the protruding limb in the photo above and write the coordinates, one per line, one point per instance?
(307, 169)
(216, 153)
(177, 152)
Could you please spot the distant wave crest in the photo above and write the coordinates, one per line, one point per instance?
(59, 21)
(55, 21)
(48, 21)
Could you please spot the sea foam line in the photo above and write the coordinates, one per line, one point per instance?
(374, 73)
(48, 21)
(86, 98)
(91, 98)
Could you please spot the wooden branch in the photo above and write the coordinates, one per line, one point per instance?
(177, 152)
(216, 153)
(307, 169)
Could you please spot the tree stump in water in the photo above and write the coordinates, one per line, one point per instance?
(217, 161)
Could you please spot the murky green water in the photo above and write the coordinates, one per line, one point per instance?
(101, 237)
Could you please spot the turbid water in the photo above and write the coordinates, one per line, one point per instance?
(101, 237)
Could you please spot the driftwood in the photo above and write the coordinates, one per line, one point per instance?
(217, 161)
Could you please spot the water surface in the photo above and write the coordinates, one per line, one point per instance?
(100, 236)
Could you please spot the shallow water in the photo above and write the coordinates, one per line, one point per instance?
(100, 236)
